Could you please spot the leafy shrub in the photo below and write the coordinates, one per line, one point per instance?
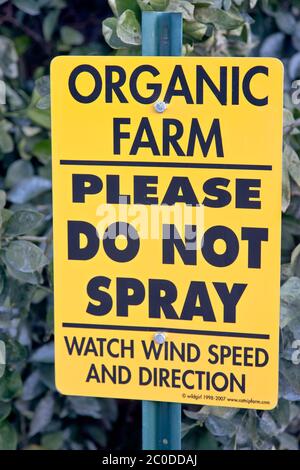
(32, 413)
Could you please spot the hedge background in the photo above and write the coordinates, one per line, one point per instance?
(32, 413)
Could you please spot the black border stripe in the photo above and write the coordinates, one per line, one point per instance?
(220, 166)
(229, 334)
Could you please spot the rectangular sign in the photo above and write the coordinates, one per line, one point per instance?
(167, 205)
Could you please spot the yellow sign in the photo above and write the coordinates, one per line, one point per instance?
(167, 196)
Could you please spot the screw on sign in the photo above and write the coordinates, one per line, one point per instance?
(188, 313)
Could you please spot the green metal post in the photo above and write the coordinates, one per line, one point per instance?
(161, 36)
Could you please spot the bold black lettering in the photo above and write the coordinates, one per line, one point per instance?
(229, 299)
(213, 353)
(235, 86)
(125, 298)
(263, 361)
(205, 145)
(113, 195)
(244, 193)
(118, 135)
(178, 75)
(114, 86)
(255, 237)
(187, 249)
(163, 294)
(220, 93)
(172, 139)
(85, 184)
(85, 99)
(220, 232)
(103, 298)
(144, 127)
(93, 374)
(247, 86)
(75, 251)
(212, 188)
(109, 242)
(155, 87)
(180, 190)
(143, 190)
(197, 294)
(74, 346)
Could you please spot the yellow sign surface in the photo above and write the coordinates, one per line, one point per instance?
(167, 203)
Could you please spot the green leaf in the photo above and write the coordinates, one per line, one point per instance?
(10, 385)
(33, 387)
(53, 440)
(281, 414)
(86, 406)
(220, 426)
(3, 284)
(291, 373)
(2, 199)
(41, 117)
(295, 261)
(6, 141)
(16, 353)
(219, 18)
(157, 5)
(42, 86)
(50, 23)
(288, 442)
(43, 415)
(194, 29)
(272, 45)
(294, 69)
(23, 221)
(109, 30)
(182, 6)
(47, 375)
(27, 189)
(290, 300)
(285, 21)
(42, 151)
(28, 278)
(153, 5)
(71, 36)
(293, 163)
(128, 28)
(286, 185)
(25, 257)
(17, 171)
(31, 7)
(5, 409)
(119, 6)
(8, 436)
(267, 424)
(44, 354)
(8, 58)
(44, 102)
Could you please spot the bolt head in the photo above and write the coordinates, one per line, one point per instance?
(160, 106)
(160, 338)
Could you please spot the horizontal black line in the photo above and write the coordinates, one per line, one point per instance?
(229, 334)
(221, 166)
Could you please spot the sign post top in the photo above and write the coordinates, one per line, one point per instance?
(162, 33)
